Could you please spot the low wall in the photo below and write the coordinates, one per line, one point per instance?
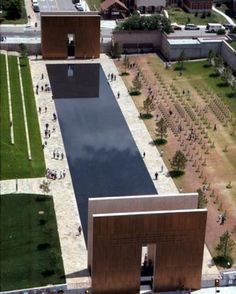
(33, 49)
(193, 48)
(228, 54)
(136, 41)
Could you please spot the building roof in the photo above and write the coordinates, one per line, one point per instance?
(108, 3)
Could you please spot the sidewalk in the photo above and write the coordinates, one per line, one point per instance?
(229, 19)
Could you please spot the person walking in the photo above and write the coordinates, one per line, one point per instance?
(156, 176)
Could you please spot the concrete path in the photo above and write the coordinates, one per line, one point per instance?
(74, 252)
(229, 19)
(153, 160)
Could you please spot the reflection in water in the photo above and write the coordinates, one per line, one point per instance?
(102, 155)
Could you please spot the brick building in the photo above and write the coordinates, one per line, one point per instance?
(197, 5)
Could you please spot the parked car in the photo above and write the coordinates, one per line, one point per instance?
(176, 27)
(191, 26)
(36, 8)
(214, 27)
(229, 27)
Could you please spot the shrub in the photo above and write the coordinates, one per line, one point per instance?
(146, 116)
(223, 261)
(221, 32)
(134, 92)
(160, 141)
(176, 173)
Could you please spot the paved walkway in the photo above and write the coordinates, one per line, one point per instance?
(229, 19)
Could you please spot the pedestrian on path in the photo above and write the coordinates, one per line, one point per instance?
(62, 156)
(80, 230)
(54, 153)
(161, 168)
(64, 174)
(118, 94)
(156, 176)
(144, 154)
(45, 109)
(42, 76)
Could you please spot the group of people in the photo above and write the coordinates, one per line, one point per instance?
(111, 76)
(54, 175)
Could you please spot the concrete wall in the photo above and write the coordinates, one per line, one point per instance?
(193, 50)
(228, 54)
(33, 49)
(137, 38)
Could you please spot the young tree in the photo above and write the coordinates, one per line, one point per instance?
(202, 200)
(211, 56)
(161, 128)
(178, 161)
(225, 245)
(137, 85)
(116, 50)
(148, 105)
(180, 62)
(126, 63)
(23, 50)
(13, 9)
(219, 63)
(227, 75)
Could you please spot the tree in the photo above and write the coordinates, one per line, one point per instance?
(13, 9)
(227, 75)
(148, 105)
(180, 62)
(211, 56)
(225, 245)
(23, 50)
(126, 63)
(178, 161)
(137, 85)
(219, 63)
(161, 128)
(116, 50)
(202, 200)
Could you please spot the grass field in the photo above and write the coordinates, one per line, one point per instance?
(22, 20)
(94, 5)
(201, 76)
(233, 44)
(14, 158)
(179, 16)
(29, 247)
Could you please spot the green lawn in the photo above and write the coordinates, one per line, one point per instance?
(179, 16)
(14, 158)
(22, 20)
(94, 4)
(30, 253)
(233, 44)
(202, 76)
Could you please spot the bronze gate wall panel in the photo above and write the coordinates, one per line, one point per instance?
(55, 30)
(118, 240)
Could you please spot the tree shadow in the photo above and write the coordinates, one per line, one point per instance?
(214, 75)
(222, 84)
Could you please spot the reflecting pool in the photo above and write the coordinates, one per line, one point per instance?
(102, 155)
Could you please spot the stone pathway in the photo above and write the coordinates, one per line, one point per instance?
(229, 19)
(153, 160)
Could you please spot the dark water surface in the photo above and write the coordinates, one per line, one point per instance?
(102, 155)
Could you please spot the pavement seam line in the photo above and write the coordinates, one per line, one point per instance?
(24, 111)
(9, 101)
